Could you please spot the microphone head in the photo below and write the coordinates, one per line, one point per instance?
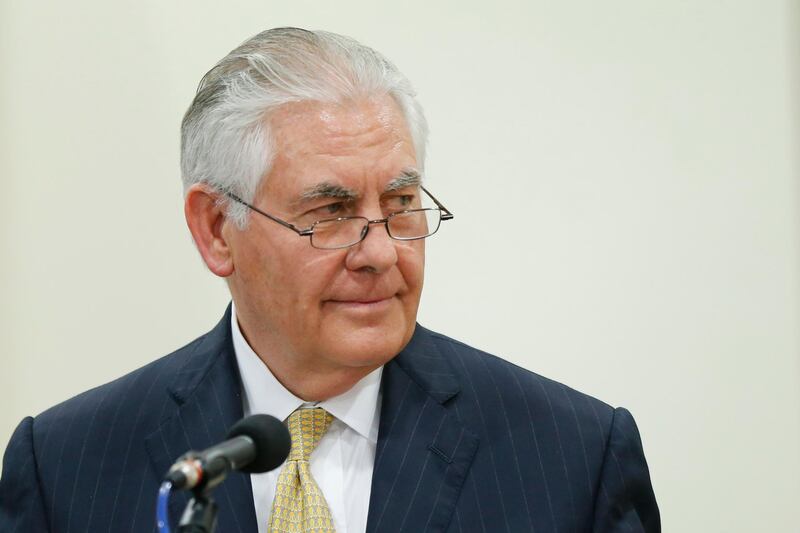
(271, 438)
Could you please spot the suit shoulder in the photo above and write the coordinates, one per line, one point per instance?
(488, 375)
(131, 396)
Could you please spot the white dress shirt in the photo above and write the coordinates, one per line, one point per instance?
(342, 462)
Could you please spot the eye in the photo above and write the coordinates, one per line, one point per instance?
(330, 210)
(400, 202)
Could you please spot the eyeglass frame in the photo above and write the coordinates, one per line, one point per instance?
(444, 214)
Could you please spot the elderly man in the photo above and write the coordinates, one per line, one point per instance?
(302, 159)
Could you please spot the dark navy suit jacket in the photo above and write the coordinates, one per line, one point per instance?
(467, 442)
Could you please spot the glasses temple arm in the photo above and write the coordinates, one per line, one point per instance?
(272, 218)
(447, 215)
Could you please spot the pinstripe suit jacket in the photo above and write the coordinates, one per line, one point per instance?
(467, 442)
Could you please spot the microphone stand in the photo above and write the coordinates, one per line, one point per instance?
(200, 514)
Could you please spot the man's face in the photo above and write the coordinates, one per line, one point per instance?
(354, 307)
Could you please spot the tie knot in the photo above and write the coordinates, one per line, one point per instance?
(307, 426)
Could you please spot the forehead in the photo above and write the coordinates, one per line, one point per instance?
(332, 122)
(348, 143)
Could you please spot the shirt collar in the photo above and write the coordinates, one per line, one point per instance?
(358, 407)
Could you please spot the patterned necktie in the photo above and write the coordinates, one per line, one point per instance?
(299, 506)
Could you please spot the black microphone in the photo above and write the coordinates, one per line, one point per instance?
(255, 444)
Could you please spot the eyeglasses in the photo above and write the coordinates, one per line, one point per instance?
(343, 232)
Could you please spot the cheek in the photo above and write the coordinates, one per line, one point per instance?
(411, 262)
(310, 274)
(289, 276)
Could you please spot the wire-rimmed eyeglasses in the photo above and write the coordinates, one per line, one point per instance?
(343, 232)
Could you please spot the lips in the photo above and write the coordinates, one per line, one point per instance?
(362, 303)
(363, 297)
(364, 300)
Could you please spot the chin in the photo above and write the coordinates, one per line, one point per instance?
(371, 345)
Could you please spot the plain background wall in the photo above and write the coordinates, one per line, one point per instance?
(624, 176)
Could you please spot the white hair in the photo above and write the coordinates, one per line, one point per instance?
(225, 134)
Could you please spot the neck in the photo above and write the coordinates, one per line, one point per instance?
(313, 385)
(310, 378)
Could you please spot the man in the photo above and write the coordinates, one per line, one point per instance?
(302, 158)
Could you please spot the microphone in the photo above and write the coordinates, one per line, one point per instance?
(255, 444)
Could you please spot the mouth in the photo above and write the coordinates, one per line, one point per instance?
(368, 304)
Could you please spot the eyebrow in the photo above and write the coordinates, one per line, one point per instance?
(326, 190)
(409, 177)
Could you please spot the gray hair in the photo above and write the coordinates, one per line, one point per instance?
(225, 134)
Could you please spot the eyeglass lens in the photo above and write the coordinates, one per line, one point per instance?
(344, 232)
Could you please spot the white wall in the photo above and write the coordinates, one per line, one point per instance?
(624, 176)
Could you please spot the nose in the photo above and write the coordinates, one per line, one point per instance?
(376, 253)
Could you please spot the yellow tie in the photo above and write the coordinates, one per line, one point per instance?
(299, 506)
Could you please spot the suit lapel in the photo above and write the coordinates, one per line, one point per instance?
(207, 395)
(424, 452)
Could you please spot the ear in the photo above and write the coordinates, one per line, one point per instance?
(206, 219)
